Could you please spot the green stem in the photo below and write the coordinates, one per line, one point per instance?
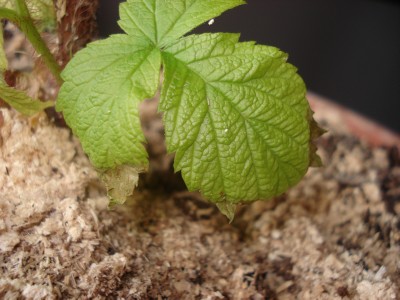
(23, 20)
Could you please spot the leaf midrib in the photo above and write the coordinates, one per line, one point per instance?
(273, 153)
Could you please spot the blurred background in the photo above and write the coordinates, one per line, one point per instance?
(346, 51)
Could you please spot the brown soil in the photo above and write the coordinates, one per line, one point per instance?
(334, 236)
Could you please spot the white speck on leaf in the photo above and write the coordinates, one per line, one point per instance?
(211, 22)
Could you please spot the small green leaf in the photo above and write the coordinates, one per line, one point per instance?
(236, 116)
(41, 11)
(20, 101)
(15, 98)
(104, 84)
(164, 21)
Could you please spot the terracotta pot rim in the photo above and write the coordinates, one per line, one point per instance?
(365, 129)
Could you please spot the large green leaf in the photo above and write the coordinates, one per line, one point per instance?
(236, 116)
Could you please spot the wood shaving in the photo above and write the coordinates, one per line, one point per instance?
(331, 237)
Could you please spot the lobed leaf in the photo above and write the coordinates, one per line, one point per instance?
(235, 113)
(165, 21)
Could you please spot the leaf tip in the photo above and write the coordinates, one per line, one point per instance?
(228, 209)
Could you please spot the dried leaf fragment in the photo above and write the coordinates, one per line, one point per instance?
(120, 182)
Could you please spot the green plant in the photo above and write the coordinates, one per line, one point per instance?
(235, 113)
(24, 15)
(41, 12)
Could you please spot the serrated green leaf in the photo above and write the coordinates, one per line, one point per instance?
(235, 113)
(315, 132)
(20, 101)
(164, 21)
(236, 116)
(104, 84)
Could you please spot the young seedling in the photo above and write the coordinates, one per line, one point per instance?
(235, 113)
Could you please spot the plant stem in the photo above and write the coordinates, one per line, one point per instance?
(23, 20)
(76, 27)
